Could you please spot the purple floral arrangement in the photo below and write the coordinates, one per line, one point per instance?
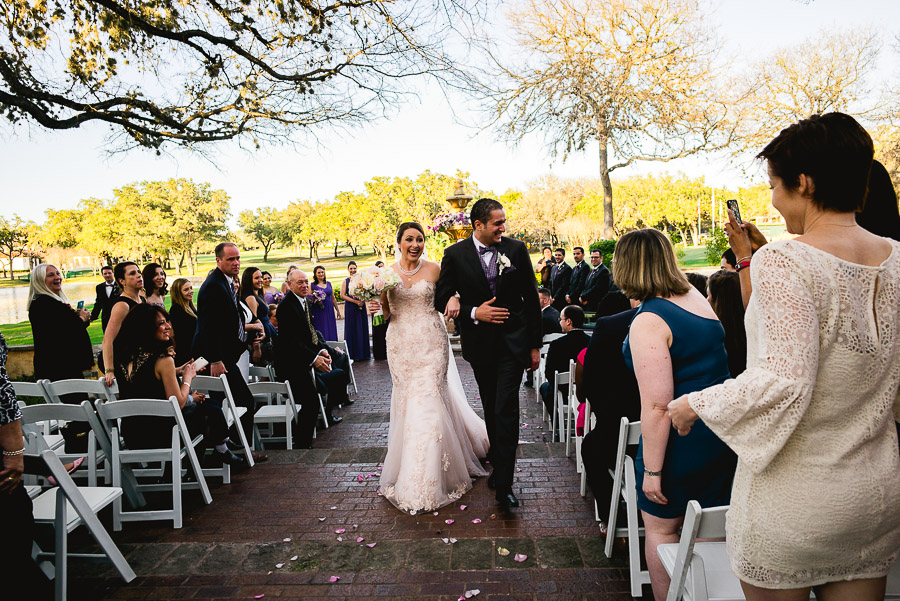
(447, 220)
(317, 297)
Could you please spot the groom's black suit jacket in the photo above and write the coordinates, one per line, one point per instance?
(461, 271)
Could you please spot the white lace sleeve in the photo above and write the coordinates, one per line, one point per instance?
(757, 412)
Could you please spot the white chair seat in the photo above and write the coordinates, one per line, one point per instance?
(33, 490)
(721, 583)
(97, 498)
(272, 413)
(54, 441)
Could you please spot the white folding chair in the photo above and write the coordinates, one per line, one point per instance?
(569, 410)
(95, 388)
(561, 401)
(588, 426)
(321, 398)
(181, 445)
(624, 491)
(540, 378)
(65, 507)
(37, 390)
(261, 373)
(233, 413)
(275, 414)
(342, 344)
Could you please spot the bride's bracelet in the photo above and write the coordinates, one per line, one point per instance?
(14, 453)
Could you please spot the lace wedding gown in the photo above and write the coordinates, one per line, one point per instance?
(435, 437)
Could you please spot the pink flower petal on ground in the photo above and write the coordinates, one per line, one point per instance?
(334, 579)
(463, 507)
(435, 513)
(287, 540)
(355, 526)
(520, 557)
(524, 425)
(279, 565)
(359, 478)
(476, 521)
(370, 545)
(448, 522)
(259, 596)
(381, 468)
(340, 538)
(502, 551)
(334, 507)
(339, 531)
(360, 539)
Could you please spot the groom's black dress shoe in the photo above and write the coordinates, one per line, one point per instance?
(492, 484)
(507, 500)
(231, 459)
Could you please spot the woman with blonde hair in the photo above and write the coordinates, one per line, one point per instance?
(62, 346)
(183, 316)
(675, 345)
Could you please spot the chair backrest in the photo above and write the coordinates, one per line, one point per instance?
(56, 411)
(209, 383)
(698, 523)
(282, 388)
(97, 388)
(33, 389)
(548, 338)
(341, 344)
(267, 372)
(134, 407)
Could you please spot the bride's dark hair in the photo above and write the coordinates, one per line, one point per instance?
(408, 225)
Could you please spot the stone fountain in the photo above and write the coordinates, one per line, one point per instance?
(458, 200)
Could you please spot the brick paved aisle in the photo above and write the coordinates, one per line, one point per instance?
(287, 512)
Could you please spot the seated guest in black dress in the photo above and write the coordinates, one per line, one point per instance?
(725, 297)
(562, 350)
(612, 391)
(183, 316)
(145, 369)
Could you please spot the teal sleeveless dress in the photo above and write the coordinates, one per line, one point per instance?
(698, 466)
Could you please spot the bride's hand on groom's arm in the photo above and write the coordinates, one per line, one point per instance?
(452, 309)
(491, 314)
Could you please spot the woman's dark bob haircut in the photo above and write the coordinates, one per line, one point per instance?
(833, 150)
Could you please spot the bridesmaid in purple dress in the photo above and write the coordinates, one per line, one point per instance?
(325, 317)
(356, 321)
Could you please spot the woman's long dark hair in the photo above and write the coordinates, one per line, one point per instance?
(138, 334)
(324, 274)
(880, 214)
(149, 273)
(247, 288)
(725, 298)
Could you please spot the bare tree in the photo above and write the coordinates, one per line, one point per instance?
(633, 76)
(188, 72)
(830, 71)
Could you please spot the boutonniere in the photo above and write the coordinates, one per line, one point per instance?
(503, 263)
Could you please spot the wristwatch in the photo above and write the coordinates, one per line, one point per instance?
(649, 473)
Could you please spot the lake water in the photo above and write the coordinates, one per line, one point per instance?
(12, 300)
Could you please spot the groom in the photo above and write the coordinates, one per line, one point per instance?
(499, 326)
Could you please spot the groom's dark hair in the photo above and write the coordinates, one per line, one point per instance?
(482, 209)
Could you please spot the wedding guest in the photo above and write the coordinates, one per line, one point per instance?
(356, 320)
(183, 316)
(271, 294)
(579, 276)
(273, 316)
(596, 286)
(130, 282)
(675, 345)
(145, 369)
(251, 294)
(221, 336)
(62, 346)
(544, 266)
(324, 316)
(560, 276)
(106, 290)
(155, 287)
(612, 391)
(379, 333)
(725, 297)
(549, 315)
(562, 350)
(284, 284)
(698, 281)
(15, 505)
(811, 418)
(728, 260)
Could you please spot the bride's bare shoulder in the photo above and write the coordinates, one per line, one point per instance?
(432, 270)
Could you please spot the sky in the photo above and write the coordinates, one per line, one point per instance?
(42, 170)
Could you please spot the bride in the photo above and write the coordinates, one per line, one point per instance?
(435, 438)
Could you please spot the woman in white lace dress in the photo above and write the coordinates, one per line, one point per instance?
(435, 438)
(816, 498)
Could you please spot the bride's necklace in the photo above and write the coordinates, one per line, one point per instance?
(410, 273)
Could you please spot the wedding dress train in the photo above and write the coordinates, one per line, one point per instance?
(435, 437)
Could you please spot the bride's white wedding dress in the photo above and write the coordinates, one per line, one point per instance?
(435, 437)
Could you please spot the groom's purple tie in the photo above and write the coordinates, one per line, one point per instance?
(489, 264)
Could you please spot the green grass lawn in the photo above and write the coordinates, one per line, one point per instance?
(695, 257)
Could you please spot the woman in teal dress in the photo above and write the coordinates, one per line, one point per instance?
(675, 345)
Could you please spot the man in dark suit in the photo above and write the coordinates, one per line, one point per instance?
(596, 286)
(106, 291)
(579, 276)
(220, 337)
(562, 350)
(499, 326)
(300, 348)
(549, 315)
(560, 276)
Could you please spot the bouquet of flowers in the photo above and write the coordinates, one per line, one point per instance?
(317, 298)
(369, 283)
(445, 221)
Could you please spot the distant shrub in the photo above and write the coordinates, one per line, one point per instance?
(716, 244)
(606, 248)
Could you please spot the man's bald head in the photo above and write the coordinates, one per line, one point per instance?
(298, 283)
